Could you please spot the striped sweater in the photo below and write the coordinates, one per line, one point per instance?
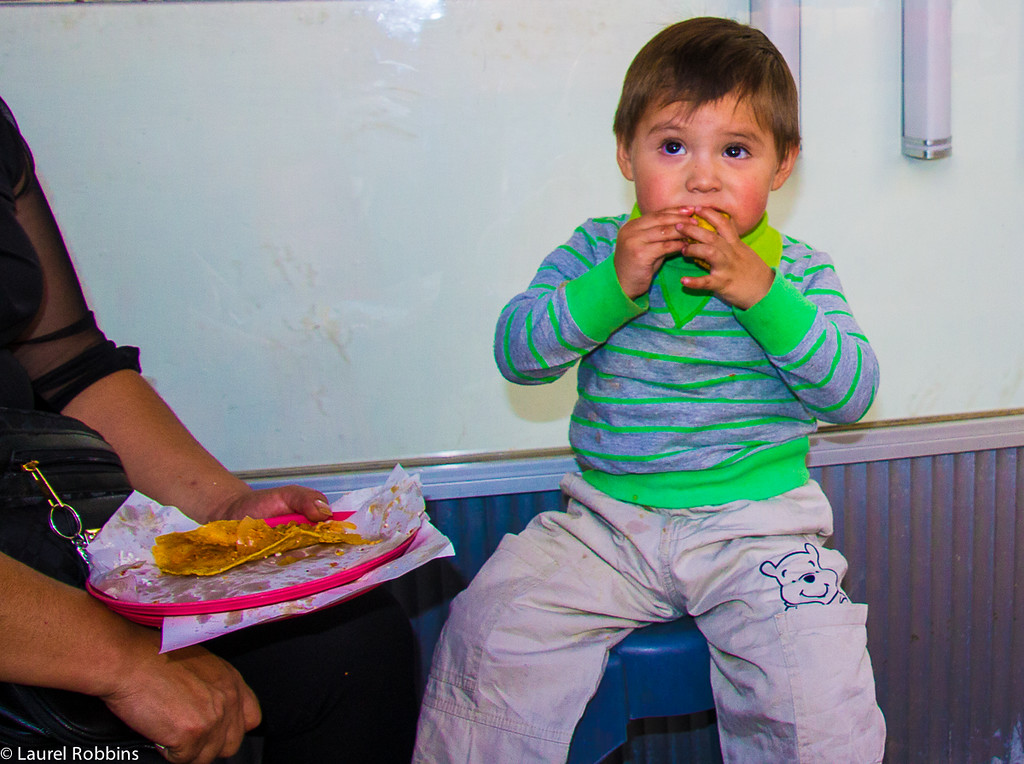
(683, 400)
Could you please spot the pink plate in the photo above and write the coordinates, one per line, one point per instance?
(297, 518)
(152, 614)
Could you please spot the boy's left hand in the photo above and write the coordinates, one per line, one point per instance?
(737, 276)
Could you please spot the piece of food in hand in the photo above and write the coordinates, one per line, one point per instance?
(706, 225)
(221, 545)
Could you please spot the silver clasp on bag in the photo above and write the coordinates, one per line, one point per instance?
(77, 535)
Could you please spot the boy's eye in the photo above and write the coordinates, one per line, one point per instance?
(673, 147)
(735, 152)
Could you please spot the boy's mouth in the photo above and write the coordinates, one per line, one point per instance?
(703, 223)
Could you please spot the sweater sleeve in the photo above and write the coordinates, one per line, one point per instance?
(806, 327)
(573, 304)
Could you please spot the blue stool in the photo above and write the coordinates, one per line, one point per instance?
(659, 670)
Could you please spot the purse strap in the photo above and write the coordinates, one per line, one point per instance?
(59, 509)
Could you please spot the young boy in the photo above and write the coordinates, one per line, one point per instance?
(698, 387)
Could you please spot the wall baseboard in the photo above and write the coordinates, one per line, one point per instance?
(496, 474)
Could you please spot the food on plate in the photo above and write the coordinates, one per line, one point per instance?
(706, 225)
(224, 544)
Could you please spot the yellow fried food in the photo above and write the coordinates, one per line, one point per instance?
(706, 225)
(221, 545)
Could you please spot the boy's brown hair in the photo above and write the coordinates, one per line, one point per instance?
(702, 60)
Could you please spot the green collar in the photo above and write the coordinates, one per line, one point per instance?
(684, 303)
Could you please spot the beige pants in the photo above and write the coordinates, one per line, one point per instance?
(525, 645)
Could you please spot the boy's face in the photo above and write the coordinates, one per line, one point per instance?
(715, 156)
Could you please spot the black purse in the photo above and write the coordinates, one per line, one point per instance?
(59, 481)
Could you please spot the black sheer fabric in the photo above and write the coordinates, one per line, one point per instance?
(50, 346)
(21, 283)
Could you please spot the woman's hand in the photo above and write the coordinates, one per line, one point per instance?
(193, 705)
(270, 502)
(189, 701)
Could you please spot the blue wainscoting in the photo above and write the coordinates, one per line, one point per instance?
(930, 518)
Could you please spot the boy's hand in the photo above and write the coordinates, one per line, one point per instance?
(644, 243)
(738, 276)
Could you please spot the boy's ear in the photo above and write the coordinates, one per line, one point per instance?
(623, 158)
(785, 168)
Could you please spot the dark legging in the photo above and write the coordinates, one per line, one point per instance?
(337, 685)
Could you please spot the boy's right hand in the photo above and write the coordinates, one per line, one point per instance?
(643, 244)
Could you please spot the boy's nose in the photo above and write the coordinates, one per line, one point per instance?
(702, 178)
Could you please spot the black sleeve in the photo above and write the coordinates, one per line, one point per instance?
(46, 326)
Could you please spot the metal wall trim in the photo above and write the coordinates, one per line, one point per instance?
(508, 473)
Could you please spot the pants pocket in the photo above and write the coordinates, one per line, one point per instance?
(836, 714)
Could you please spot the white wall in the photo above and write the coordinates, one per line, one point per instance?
(309, 214)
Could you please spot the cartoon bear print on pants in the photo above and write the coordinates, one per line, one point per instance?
(802, 580)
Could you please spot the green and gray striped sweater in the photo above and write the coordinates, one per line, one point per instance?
(685, 401)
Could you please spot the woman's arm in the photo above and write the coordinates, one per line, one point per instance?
(190, 701)
(165, 462)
